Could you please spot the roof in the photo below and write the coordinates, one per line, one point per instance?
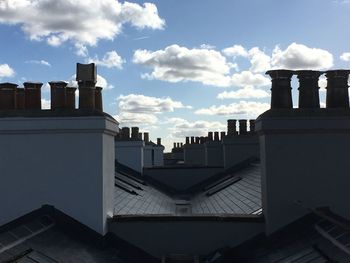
(235, 193)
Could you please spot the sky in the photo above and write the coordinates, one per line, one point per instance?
(174, 68)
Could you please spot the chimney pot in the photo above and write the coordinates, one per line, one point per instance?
(159, 141)
(146, 137)
(216, 136)
(58, 94)
(125, 134)
(252, 126)
(192, 139)
(135, 133)
(187, 140)
(231, 127)
(210, 136)
(337, 89)
(281, 90)
(308, 88)
(32, 97)
(98, 99)
(8, 96)
(178, 145)
(70, 97)
(181, 145)
(242, 127)
(20, 98)
(174, 145)
(197, 140)
(86, 73)
(86, 77)
(222, 135)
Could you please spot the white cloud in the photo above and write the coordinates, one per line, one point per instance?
(83, 22)
(245, 93)
(260, 62)
(207, 46)
(101, 82)
(130, 118)
(175, 64)
(110, 60)
(39, 62)
(298, 56)
(6, 71)
(249, 109)
(45, 104)
(235, 50)
(345, 56)
(247, 78)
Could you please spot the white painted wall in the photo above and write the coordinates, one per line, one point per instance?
(66, 162)
(194, 154)
(304, 158)
(214, 153)
(130, 153)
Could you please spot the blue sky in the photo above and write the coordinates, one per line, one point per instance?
(174, 68)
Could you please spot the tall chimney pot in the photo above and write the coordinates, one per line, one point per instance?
(222, 135)
(210, 136)
(32, 96)
(308, 88)
(20, 99)
(178, 145)
(192, 139)
(58, 94)
(197, 140)
(8, 96)
(146, 137)
(87, 78)
(159, 141)
(187, 140)
(216, 136)
(252, 126)
(337, 89)
(242, 127)
(98, 99)
(125, 133)
(134, 133)
(281, 90)
(174, 145)
(231, 127)
(70, 97)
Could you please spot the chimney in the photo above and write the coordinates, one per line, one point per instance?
(337, 89)
(308, 88)
(181, 145)
(125, 133)
(174, 145)
(8, 96)
(98, 99)
(242, 127)
(178, 145)
(32, 96)
(216, 136)
(58, 94)
(159, 141)
(87, 78)
(210, 136)
(252, 126)
(70, 98)
(197, 140)
(20, 98)
(187, 140)
(281, 90)
(192, 139)
(222, 135)
(231, 127)
(146, 137)
(135, 133)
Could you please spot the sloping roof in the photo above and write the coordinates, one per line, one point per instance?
(237, 193)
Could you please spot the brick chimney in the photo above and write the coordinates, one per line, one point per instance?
(32, 95)
(231, 127)
(242, 127)
(20, 98)
(135, 133)
(146, 137)
(125, 133)
(159, 141)
(87, 78)
(98, 99)
(251, 126)
(192, 139)
(187, 140)
(70, 97)
(58, 94)
(8, 96)
(210, 136)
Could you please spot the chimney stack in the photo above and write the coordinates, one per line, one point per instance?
(252, 126)
(197, 140)
(135, 133)
(231, 127)
(98, 99)
(146, 137)
(8, 96)
(181, 145)
(242, 127)
(87, 78)
(192, 139)
(70, 98)
(58, 94)
(159, 141)
(32, 96)
(20, 98)
(337, 89)
(222, 135)
(125, 133)
(216, 136)
(174, 145)
(308, 88)
(210, 136)
(187, 140)
(281, 90)
(178, 145)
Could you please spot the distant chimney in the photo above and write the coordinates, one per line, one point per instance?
(58, 94)
(187, 140)
(178, 145)
(308, 88)
(231, 127)
(146, 137)
(192, 139)
(139, 136)
(210, 136)
(98, 99)
(201, 139)
(70, 97)
(197, 140)
(281, 90)
(20, 98)
(222, 135)
(87, 78)
(159, 141)
(337, 89)
(174, 145)
(8, 96)
(125, 133)
(216, 136)
(242, 127)
(134, 133)
(252, 126)
(32, 96)
(181, 145)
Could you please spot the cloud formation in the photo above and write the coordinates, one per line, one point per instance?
(110, 60)
(6, 71)
(101, 82)
(39, 62)
(247, 92)
(345, 56)
(56, 21)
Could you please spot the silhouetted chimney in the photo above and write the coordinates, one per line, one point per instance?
(308, 88)
(8, 96)
(20, 99)
(201, 139)
(337, 89)
(222, 135)
(181, 145)
(192, 139)
(174, 145)
(86, 77)
(125, 133)
(98, 99)
(231, 127)
(58, 94)
(159, 141)
(32, 96)
(70, 97)
(146, 137)
(187, 140)
(197, 140)
(210, 136)
(216, 136)
(242, 127)
(252, 125)
(281, 90)
(139, 136)
(134, 133)
(178, 145)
